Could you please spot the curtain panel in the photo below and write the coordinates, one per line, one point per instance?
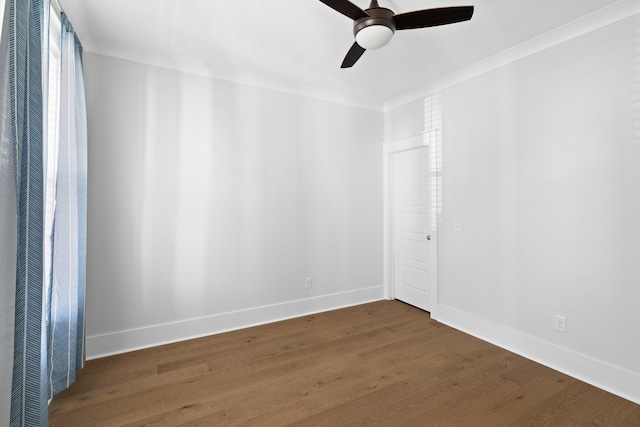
(8, 231)
(26, 30)
(66, 336)
(42, 321)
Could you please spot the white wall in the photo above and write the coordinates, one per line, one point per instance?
(542, 166)
(210, 202)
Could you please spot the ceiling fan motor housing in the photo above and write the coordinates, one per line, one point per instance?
(377, 16)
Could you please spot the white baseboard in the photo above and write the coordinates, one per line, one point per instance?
(613, 379)
(135, 339)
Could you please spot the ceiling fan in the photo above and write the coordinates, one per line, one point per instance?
(374, 27)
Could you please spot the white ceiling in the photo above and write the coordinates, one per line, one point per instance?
(303, 42)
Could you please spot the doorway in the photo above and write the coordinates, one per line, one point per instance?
(410, 235)
(412, 228)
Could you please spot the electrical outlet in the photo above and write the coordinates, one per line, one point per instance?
(307, 283)
(457, 225)
(560, 323)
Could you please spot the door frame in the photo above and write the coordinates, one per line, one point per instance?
(390, 149)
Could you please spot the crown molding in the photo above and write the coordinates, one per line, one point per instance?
(302, 90)
(588, 23)
(250, 79)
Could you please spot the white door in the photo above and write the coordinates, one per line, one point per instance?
(412, 228)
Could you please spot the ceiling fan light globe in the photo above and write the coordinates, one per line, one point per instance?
(374, 36)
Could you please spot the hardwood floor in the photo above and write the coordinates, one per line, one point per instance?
(384, 363)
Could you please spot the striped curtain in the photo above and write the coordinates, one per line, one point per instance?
(8, 231)
(66, 338)
(26, 29)
(42, 329)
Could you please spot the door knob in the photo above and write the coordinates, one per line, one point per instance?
(429, 237)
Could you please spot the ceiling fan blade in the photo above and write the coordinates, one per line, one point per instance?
(432, 17)
(346, 8)
(353, 55)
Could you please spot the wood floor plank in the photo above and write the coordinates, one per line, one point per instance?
(422, 389)
(160, 420)
(571, 406)
(384, 363)
(633, 419)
